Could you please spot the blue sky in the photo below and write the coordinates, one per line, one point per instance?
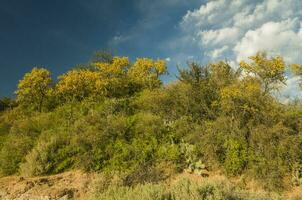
(59, 34)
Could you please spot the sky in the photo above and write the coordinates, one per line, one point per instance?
(57, 34)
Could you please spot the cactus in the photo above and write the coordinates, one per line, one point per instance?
(195, 166)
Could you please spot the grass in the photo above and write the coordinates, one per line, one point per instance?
(180, 189)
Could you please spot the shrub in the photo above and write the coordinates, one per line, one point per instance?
(180, 190)
(236, 156)
(269, 173)
(13, 152)
(52, 154)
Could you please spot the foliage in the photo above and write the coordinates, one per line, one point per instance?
(116, 116)
(182, 189)
(52, 154)
(12, 153)
(78, 84)
(6, 103)
(269, 70)
(145, 72)
(235, 157)
(34, 88)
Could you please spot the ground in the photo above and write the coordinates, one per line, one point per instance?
(70, 185)
(77, 185)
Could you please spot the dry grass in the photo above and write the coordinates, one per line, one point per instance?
(74, 185)
(80, 186)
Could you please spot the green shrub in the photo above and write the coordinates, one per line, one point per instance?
(269, 173)
(4, 127)
(52, 154)
(124, 156)
(12, 153)
(181, 190)
(169, 152)
(236, 156)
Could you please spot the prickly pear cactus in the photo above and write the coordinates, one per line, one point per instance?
(195, 166)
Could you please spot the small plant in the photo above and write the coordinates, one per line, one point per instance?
(236, 156)
(297, 174)
(198, 168)
(194, 165)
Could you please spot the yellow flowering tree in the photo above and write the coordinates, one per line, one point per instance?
(110, 79)
(75, 85)
(145, 72)
(271, 71)
(34, 88)
(114, 75)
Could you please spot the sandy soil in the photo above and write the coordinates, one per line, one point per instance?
(73, 185)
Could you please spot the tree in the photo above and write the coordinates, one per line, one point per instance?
(75, 85)
(34, 88)
(242, 99)
(145, 72)
(114, 74)
(102, 56)
(194, 74)
(6, 103)
(271, 71)
(221, 74)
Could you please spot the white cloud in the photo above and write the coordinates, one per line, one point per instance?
(242, 23)
(220, 36)
(292, 89)
(236, 29)
(216, 53)
(273, 37)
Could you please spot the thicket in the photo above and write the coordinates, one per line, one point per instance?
(112, 115)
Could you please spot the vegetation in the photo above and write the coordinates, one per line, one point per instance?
(113, 115)
(184, 188)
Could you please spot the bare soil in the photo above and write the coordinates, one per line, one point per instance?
(74, 185)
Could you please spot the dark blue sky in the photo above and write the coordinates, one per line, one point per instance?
(58, 34)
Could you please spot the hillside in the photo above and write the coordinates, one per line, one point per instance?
(116, 118)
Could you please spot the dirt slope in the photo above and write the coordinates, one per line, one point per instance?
(73, 185)
(76, 185)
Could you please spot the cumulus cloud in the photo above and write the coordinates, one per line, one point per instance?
(246, 25)
(273, 37)
(237, 29)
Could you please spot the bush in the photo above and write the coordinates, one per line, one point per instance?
(13, 152)
(269, 173)
(236, 156)
(52, 154)
(34, 125)
(180, 190)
